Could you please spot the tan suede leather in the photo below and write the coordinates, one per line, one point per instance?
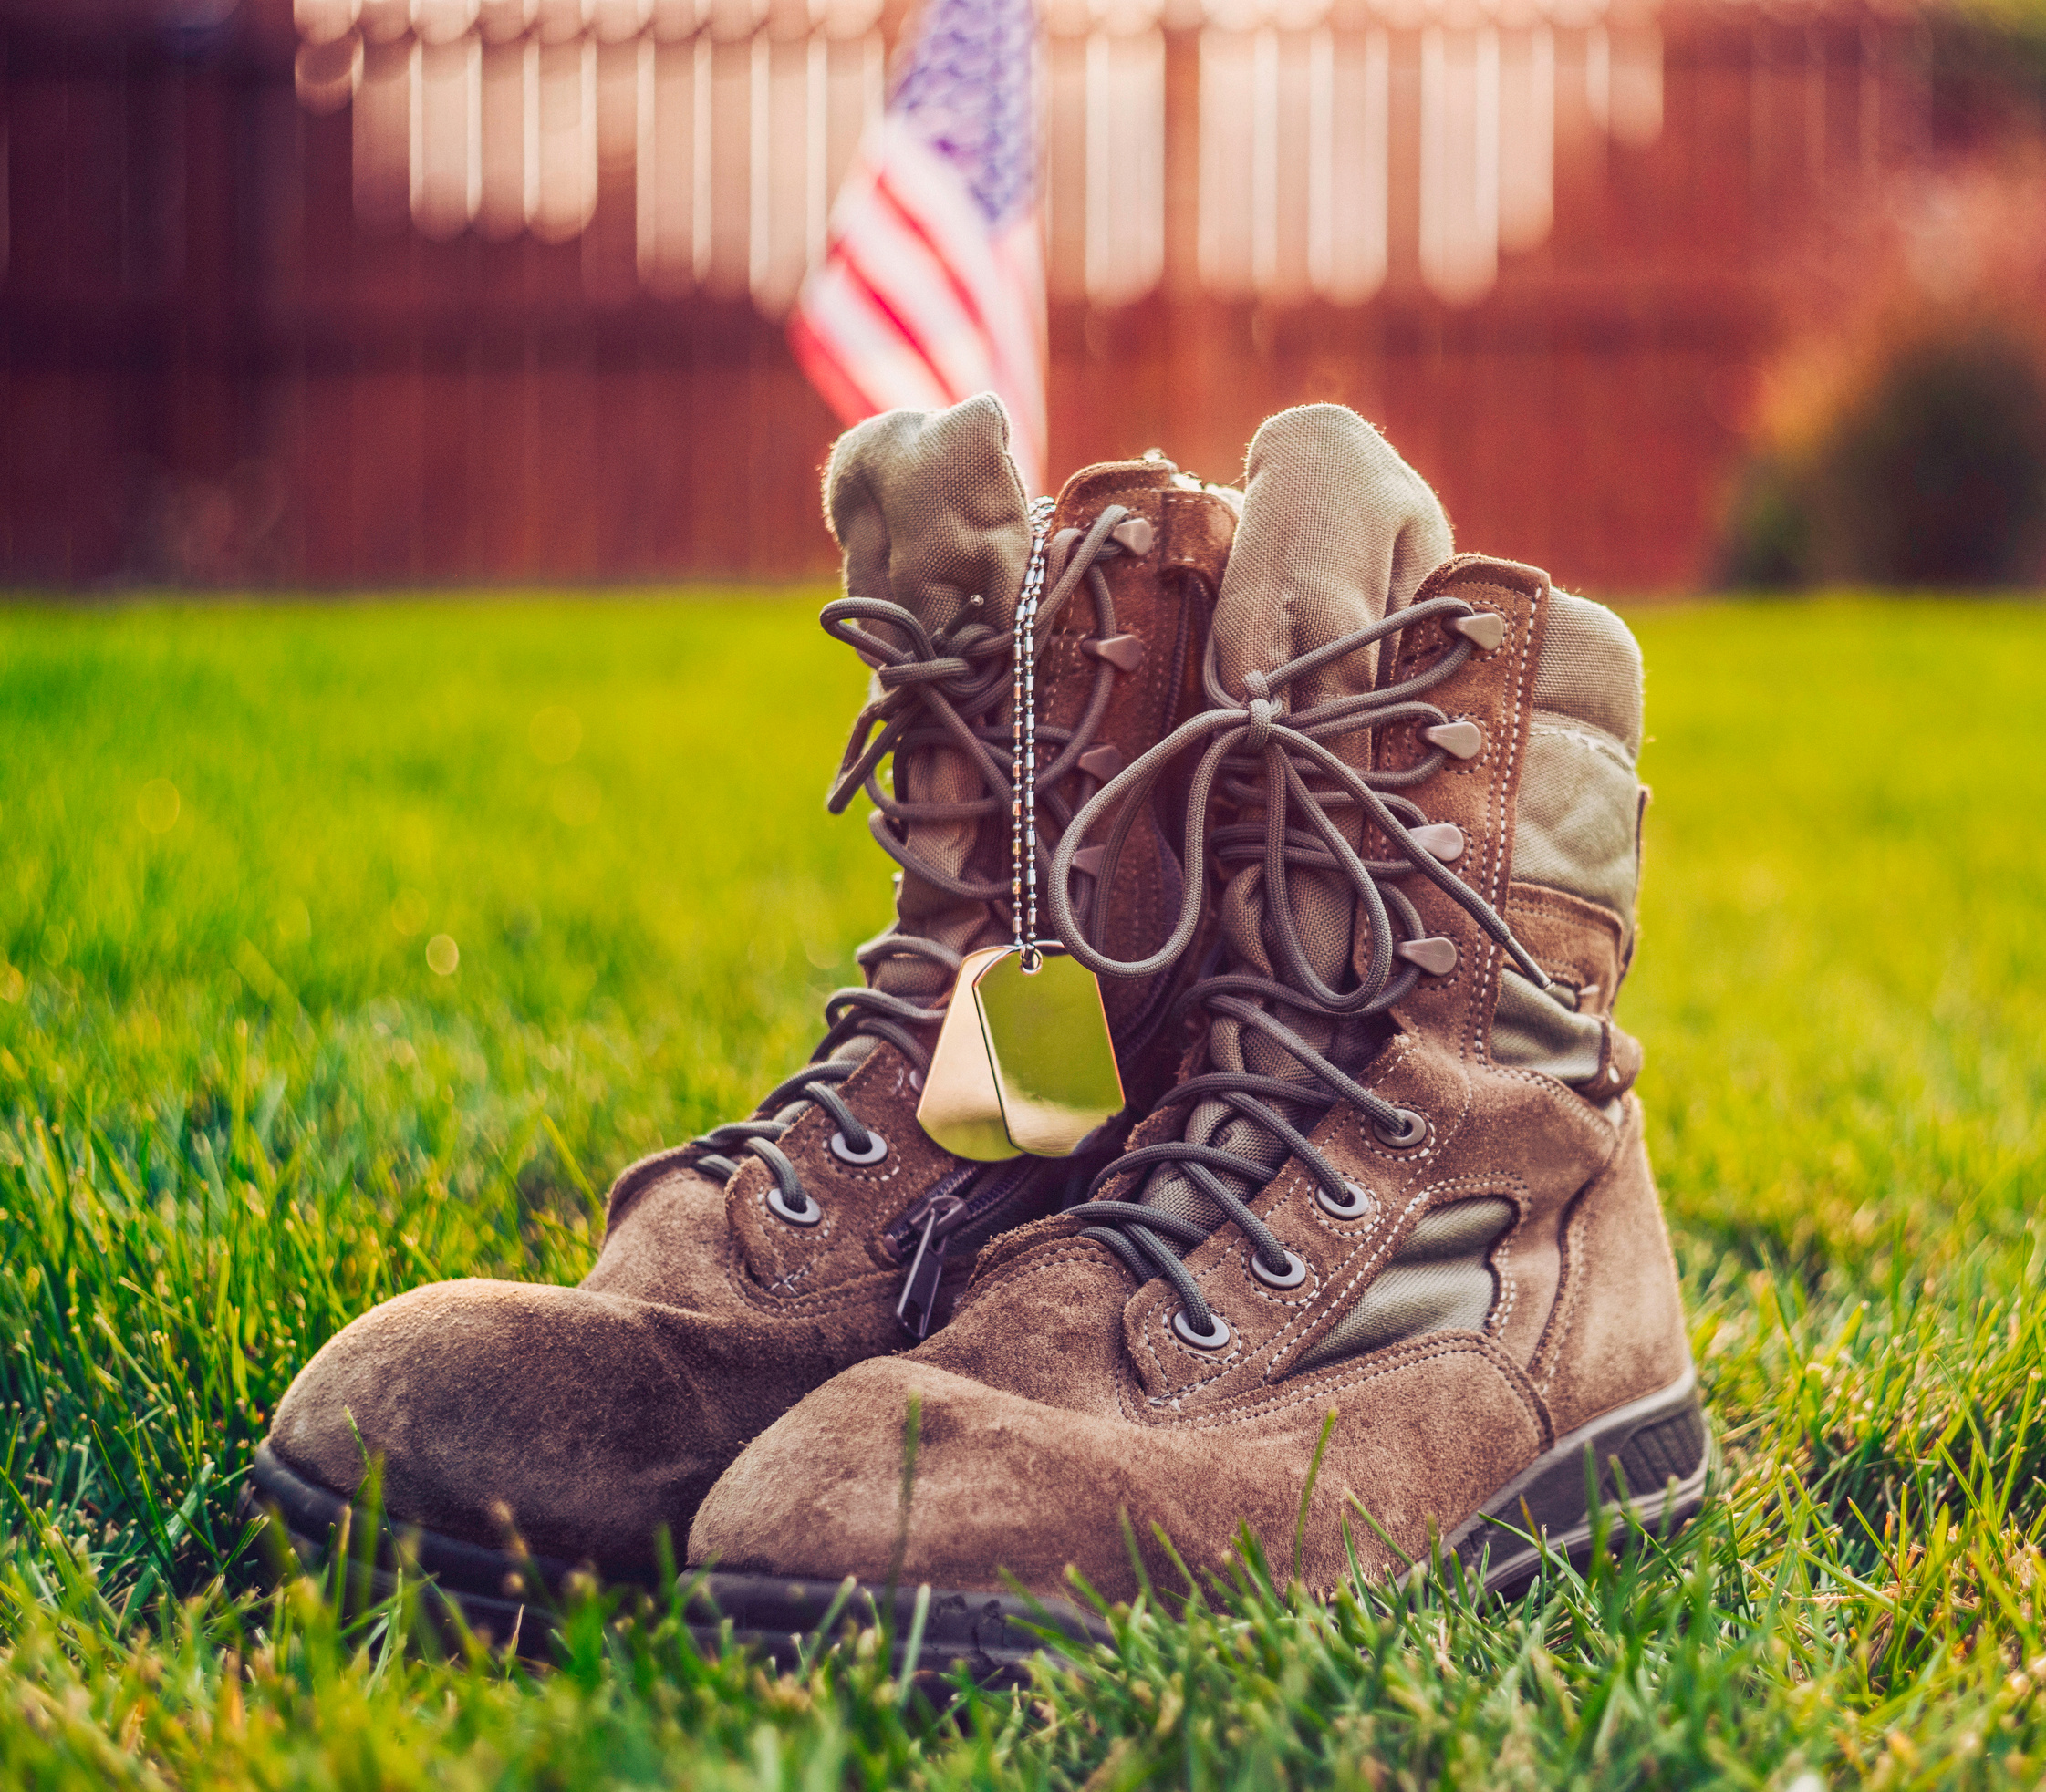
(1617, 1323)
(1061, 1402)
(592, 1417)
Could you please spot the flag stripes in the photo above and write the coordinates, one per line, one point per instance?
(922, 299)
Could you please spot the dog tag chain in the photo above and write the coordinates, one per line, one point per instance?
(1025, 1062)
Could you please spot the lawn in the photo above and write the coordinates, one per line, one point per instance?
(346, 947)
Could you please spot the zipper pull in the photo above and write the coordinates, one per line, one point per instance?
(901, 1233)
(927, 1268)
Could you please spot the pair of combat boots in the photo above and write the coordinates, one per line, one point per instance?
(1349, 829)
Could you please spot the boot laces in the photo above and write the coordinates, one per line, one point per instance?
(942, 689)
(1253, 753)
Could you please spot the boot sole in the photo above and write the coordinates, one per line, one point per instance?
(512, 1601)
(1661, 1444)
(1650, 1462)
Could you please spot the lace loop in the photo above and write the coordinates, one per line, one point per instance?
(1229, 730)
(936, 690)
(1253, 754)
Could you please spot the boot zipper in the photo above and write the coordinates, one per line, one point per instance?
(926, 1228)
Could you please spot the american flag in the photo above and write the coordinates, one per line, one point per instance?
(932, 284)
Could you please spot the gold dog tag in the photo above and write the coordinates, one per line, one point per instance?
(1025, 1062)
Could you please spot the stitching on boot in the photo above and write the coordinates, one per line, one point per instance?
(1503, 794)
(1575, 1221)
(1157, 1315)
(1343, 1279)
(752, 1194)
(1568, 728)
(1548, 1346)
(1516, 607)
(1359, 1276)
(1315, 1388)
(1223, 1364)
(1282, 1298)
(855, 1291)
(1509, 1286)
(1074, 1249)
(1293, 1182)
(1540, 903)
(1372, 1240)
(811, 1135)
(792, 1257)
(1508, 1188)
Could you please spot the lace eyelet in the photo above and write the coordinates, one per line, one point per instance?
(877, 1149)
(1414, 1132)
(1215, 1339)
(777, 1204)
(1293, 1274)
(1359, 1205)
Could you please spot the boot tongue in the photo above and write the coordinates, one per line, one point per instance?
(932, 513)
(1337, 531)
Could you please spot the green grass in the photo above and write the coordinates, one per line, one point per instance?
(247, 1091)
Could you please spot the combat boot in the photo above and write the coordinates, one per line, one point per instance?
(744, 1269)
(1402, 1192)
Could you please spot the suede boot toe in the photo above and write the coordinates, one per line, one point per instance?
(447, 1389)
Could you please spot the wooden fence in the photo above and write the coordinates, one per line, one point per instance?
(378, 297)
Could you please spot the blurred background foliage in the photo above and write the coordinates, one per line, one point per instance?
(1899, 437)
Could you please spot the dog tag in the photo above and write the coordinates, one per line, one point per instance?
(1025, 1062)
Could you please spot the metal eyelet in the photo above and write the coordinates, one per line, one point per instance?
(777, 1204)
(1291, 1276)
(1215, 1339)
(877, 1149)
(1414, 1131)
(1359, 1207)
